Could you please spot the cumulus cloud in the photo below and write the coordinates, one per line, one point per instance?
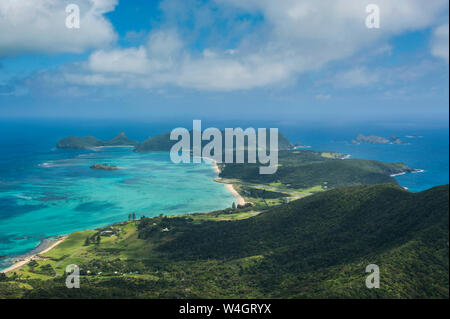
(356, 77)
(132, 60)
(294, 37)
(361, 76)
(39, 26)
(440, 45)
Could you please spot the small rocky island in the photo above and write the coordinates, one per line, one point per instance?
(372, 139)
(104, 167)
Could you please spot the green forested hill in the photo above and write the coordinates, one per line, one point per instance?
(74, 142)
(304, 169)
(316, 247)
(163, 143)
(157, 143)
(328, 228)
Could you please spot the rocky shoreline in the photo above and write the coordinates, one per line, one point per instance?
(44, 246)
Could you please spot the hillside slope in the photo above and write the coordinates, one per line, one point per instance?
(316, 247)
(74, 142)
(328, 239)
(162, 142)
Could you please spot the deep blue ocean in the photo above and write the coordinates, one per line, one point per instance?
(47, 192)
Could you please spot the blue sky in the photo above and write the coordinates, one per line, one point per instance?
(225, 59)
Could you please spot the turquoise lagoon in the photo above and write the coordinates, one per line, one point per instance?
(59, 193)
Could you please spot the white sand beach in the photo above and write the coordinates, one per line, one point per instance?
(239, 199)
(27, 259)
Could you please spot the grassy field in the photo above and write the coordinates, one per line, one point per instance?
(270, 194)
(332, 155)
(74, 251)
(221, 216)
(125, 245)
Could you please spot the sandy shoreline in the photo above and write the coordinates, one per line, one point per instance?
(239, 199)
(40, 250)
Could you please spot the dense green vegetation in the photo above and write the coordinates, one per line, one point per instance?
(119, 140)
(305, 169)
(73, 142)
(79, 142)
(163, 143)
(158, 143)
(315, 247)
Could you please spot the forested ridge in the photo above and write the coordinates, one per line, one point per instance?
(315, 247)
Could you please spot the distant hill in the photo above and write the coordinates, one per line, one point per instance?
(304, 169)
(158, 143)
(119, 140)
(163, 143)
(74, 142)
(376, 140)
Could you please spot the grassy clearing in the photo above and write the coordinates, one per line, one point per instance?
(312, 190)
(331, 155)
(225, 217)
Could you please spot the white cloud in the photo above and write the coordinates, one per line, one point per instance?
(164, 44)
(226, 74)
(440, 46)
(356, 77)
(385, 49)
(361, 76)
(39, 26)
(133, 60)
(92, 79)
(296, 36)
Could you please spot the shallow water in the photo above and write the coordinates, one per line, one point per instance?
(60, 194)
